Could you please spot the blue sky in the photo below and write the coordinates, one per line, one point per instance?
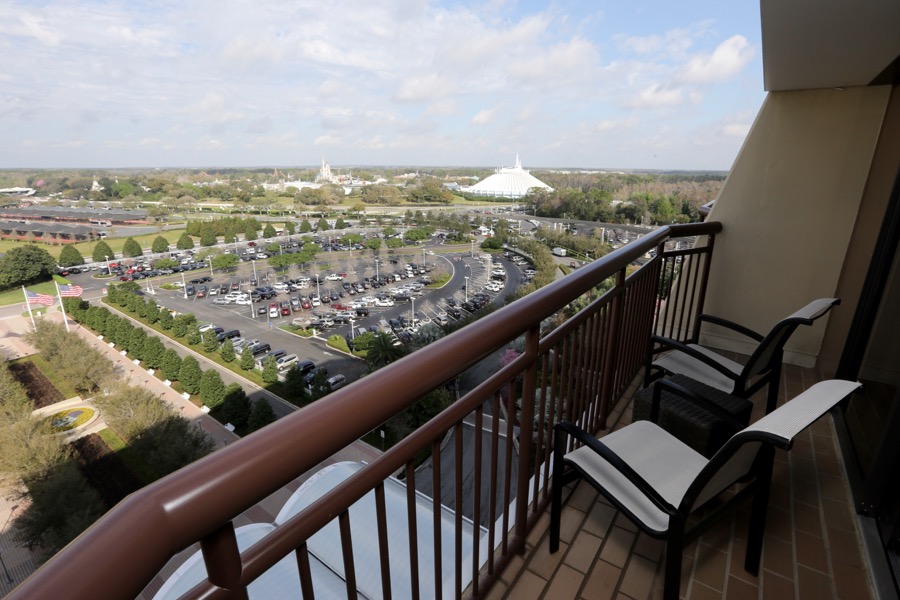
(602, 84)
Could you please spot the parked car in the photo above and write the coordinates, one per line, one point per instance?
(336, 381)
(259, 349)
(227, 335)
(273, 310)
(285, 309)
(286, 362)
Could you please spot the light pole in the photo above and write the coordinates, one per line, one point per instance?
(318, 291)
(108, 272)
(376, 269)
(412, 311)
(253, 262)
(352, 330)
(473, 247)
(467, 288)
(9, 578)
(209, 258)
(184, 285)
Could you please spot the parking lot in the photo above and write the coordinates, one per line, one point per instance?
(352, 293)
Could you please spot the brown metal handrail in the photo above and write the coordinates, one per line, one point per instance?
(123, 551)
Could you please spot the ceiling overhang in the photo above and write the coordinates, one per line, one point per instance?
(809, 44)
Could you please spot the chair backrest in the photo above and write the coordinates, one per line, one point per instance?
(735, 459)
(769, 350)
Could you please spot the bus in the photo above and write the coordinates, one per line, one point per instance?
(100, 223)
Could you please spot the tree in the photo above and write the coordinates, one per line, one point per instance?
(270, 370)
(246, 360)
(189, 375)
(290, 228)
(193, 337)
(185, 242)
(250, 230)
(374, 244)
(47, 523)
(358, 208)
(382, 351)
(235, 406)
(132, 248)
(69, 256)
(224, 261)
(171, 364)
(130, 410)
(160, 244)
(295, 385)
(170, 445)
(153, 352)
(25, 264)
(165, 320)
(268, 231)
(227, 352)
(102, 252)
(319, 386)
(212, 390)
(261, 414)
(305, 226)
(137, 339)
(211, 341)
(322, 225)
(208, 237)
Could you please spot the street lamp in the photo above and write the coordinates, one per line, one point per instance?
(376, 269)
(473, 247)
(9, 578)
(108, 271)
(412, 311)
(467, 288)
(253, 262)
(184, 285)
(209, 258)
(318, 291)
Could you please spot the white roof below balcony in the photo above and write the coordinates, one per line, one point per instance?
(326, 554)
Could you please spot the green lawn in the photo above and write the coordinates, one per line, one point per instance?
(128, 456)
(50, 373)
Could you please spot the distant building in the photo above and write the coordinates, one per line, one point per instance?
(47, 233)
(514, 182)
(67, 214)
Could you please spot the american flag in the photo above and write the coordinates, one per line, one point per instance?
(70, 291)
(35, 298)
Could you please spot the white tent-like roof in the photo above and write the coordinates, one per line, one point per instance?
(326, 554)
(514, 182)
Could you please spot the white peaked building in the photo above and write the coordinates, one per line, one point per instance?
(507, 182)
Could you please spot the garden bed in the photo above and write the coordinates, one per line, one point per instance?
(40, 390)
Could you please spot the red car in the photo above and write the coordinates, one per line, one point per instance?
(251, 244)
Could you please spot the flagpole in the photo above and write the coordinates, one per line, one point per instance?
(28, 306)
(61, 307)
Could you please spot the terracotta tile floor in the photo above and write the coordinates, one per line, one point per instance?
(812, 548)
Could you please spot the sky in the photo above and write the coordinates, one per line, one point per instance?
(637, 84)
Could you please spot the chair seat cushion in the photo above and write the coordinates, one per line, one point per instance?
(687, 365)
(691, 423)
(668, 465)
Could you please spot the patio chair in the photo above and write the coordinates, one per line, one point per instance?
(763, 368)
(659, 483)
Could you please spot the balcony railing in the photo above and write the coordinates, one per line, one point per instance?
(572, 372)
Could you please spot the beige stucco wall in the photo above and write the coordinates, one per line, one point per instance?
(788, 210)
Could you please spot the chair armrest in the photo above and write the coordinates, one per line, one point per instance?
(705, 403)
(733, 326)
(670, 344)
(616, 462)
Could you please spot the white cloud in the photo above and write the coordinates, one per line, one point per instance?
(423, 88)
(149, 141)
(729, 58)
(657, 95)
(484, 116)
(739, 130)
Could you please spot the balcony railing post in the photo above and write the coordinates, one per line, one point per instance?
(704, 279)
(526, 427)
(223, 560)
(612, 339)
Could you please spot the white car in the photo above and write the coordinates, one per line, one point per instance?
(333, 277)
(243, 301)
(384, 302)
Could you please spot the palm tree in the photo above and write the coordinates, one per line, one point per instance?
(382, 351)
